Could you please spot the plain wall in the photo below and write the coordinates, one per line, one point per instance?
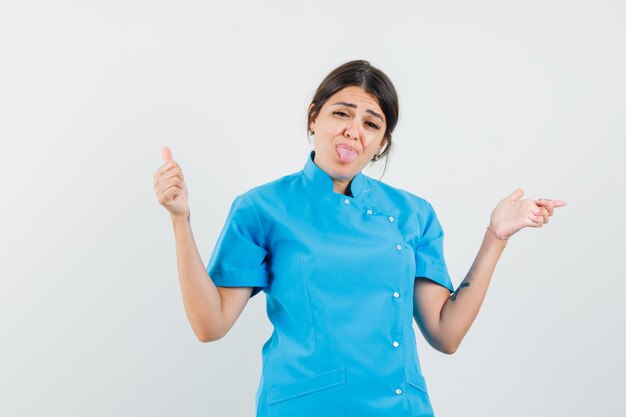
(493, 96)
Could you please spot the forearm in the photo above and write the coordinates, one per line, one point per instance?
(461, 308)
(200, 295)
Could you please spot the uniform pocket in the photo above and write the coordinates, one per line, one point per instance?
(318, 395)
(419, 400)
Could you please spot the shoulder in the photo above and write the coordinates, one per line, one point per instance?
(250, 209)
(399, 197)
(271, 190)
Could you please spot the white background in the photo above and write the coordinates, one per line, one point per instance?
(494, 95)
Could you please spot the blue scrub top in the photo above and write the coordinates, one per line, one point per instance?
(338, 274)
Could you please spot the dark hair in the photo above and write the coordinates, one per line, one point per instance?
(360, 73)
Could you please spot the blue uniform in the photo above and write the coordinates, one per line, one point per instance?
(338, 274)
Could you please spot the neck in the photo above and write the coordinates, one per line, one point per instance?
(341, 187)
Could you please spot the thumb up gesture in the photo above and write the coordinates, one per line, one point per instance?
(514, 213)
(169, 186)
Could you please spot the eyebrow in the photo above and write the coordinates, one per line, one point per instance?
(354, 106)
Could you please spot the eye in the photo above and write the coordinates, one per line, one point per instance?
(340, 113)
(373, 125)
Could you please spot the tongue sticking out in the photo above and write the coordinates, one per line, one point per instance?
(345, 154)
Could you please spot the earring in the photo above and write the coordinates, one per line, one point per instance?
(380, 154)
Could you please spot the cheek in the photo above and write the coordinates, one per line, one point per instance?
(373, 139)
(331, 127)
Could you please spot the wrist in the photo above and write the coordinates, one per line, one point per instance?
(497, 234)
(181, 218)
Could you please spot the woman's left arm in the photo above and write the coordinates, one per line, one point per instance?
(445, 318)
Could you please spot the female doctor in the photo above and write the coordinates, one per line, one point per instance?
(346, 263)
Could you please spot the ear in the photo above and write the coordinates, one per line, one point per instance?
(312, 122)
(383, 142)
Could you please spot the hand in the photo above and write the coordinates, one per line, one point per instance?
(169, 186)
(513, 214)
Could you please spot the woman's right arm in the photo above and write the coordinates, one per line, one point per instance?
(211, 311)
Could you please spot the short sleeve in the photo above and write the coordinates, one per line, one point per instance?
(429, 258)
(239, 256)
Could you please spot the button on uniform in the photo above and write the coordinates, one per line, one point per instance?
(391, 219)
(398, 391)
(346, 201)
(399, 247)
(395, 344)
(396, 294)
(369, 211)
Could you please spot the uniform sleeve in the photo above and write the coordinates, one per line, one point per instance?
(239, 257)
(429, 258)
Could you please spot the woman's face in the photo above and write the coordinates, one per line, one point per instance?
(349, 130)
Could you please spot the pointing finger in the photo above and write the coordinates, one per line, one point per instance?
(554, 203)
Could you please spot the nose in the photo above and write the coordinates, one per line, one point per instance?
(351, 131)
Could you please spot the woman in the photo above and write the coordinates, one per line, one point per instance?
(346, 263)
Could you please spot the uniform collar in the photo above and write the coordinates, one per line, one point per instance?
(324, 183)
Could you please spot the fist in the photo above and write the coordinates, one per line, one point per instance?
(169, 186)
